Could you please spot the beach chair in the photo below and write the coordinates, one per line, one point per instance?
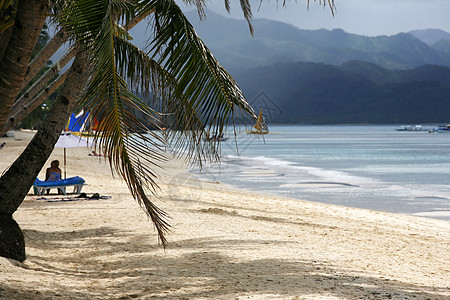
(41, 187)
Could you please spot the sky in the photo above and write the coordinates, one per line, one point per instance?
(364, 17)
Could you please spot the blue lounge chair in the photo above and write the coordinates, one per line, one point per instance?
(40, 187)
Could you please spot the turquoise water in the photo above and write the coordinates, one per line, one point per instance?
(373, 167)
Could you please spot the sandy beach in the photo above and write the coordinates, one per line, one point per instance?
(224, 243)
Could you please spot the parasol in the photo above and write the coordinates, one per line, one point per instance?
(69, 140)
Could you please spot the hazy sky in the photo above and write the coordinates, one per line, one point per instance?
(367, 17)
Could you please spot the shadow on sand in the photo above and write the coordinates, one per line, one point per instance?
(137, 269)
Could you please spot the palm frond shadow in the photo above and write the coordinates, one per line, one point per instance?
(203, 272)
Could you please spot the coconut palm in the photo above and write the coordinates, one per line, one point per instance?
(178, 73)
(29, 20)
(26, 103)
(117, 66)
(44, 55)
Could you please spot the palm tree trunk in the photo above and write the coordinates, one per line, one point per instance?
(4, 40)
(28, 25)
(28, 102)
(44, 55)
(30, 94)
(20, 113)
(17, 180)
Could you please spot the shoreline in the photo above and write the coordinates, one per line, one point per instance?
(224, 243)
(443, 215)
(399, 173)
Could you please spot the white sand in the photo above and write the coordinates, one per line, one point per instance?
(224, 244)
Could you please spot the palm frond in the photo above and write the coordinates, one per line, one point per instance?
(132, 155)
(149, 78)
(330, 3)
(7, 13)
(245, 6)
(192, 91)
(201, 6)
(247, 10)
(208, 91)
(141, 72)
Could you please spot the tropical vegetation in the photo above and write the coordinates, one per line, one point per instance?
(192, 94)
(356, 92)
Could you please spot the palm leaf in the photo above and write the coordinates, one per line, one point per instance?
(147, 76)
(7, 14)
(324, 3)
(189, 87)
(121, 127)
(109, 100)
(209, 92)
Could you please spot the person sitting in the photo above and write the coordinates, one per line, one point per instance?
(53, 174)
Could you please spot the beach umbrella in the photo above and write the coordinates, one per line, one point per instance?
(69, 140)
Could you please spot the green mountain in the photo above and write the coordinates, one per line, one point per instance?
(277, 42)
(442, 46)
(331, 77)
(355, 92)
(430, 36)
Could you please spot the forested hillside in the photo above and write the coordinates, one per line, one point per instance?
(276, 42)
(322, 76)
(356, 92)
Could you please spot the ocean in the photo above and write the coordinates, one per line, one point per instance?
(371, 167)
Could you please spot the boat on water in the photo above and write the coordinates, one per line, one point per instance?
(260, 126)
(218, 137)
(411, 128)
(441, 129)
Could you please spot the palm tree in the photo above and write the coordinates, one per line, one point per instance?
(179, 73)
(27, 103)
(29, 20)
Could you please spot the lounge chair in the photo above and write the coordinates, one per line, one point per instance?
(40, 187)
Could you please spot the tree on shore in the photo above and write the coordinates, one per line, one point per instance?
(178, 72)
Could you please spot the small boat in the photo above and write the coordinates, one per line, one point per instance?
(411, 128)
(443, 129)
(260, 126)
(218, 137)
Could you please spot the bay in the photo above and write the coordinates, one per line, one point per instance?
(371, 167)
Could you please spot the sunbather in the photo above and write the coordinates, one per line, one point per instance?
(53, 174)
